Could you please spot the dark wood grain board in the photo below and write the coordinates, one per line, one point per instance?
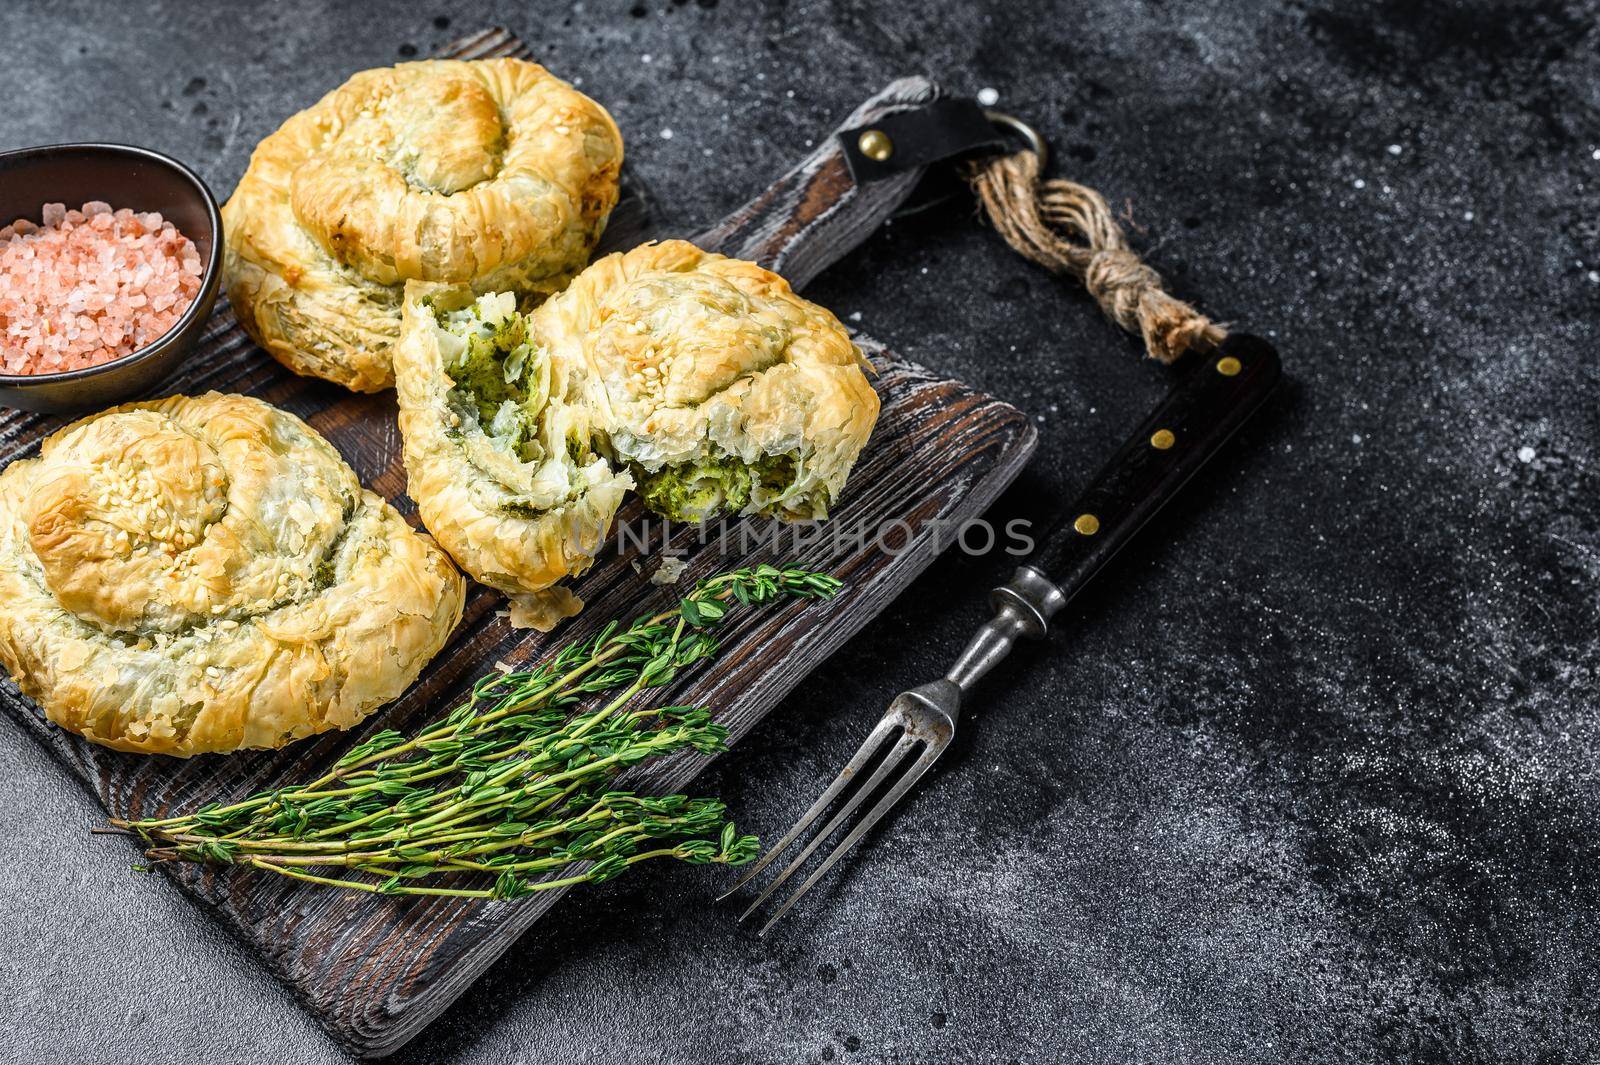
(375, 970)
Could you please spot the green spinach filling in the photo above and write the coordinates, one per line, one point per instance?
(699, 490)
(500, 381)
(501, 386)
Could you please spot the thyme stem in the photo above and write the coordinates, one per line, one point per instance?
(512, 783)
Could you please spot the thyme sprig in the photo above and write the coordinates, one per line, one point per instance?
(512, 784)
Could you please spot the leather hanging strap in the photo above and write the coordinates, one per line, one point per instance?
(916, 137)
(1065, 227)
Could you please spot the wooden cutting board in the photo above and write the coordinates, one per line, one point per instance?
(375, 970)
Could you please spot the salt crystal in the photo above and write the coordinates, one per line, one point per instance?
(90, 286)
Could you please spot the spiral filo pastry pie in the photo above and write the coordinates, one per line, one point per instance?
(703, 380)
(204, 574)
(491, 173)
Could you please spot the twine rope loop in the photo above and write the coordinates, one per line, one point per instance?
(1069, 229)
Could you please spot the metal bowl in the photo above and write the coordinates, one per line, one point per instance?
(123, 176)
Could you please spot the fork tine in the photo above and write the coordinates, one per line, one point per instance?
(874, 741)
(891, 762)
(910, 777)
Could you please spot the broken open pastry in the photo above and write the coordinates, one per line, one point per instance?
(206, 574)
(713, 383)
(702, 380)
(500, 461)
(491, 173)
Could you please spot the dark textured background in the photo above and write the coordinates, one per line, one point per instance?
(1312, 778)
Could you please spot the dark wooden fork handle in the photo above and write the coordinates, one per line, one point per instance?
(1214, 398)
(1181, 435)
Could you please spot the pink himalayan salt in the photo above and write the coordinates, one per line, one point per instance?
(90, 286)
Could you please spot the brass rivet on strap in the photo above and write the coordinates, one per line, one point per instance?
(1227, 366)
(875, 145)
(1087, 524)
(1162, 439)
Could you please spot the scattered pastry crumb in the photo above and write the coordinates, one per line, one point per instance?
(669, 571)
(988, 97)
(545, 609)
(1526, 453)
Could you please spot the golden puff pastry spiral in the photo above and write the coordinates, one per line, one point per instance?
(206, 574)
(717, 386)
(703, 379)
(491, 173)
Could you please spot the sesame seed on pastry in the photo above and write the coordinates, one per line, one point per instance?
(491, 173)
(201, 574)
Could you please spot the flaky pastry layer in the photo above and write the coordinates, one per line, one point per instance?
(200, 574)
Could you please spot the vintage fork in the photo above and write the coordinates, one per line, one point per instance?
(1213, 400)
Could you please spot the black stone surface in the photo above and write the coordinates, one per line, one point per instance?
(1312, 778)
